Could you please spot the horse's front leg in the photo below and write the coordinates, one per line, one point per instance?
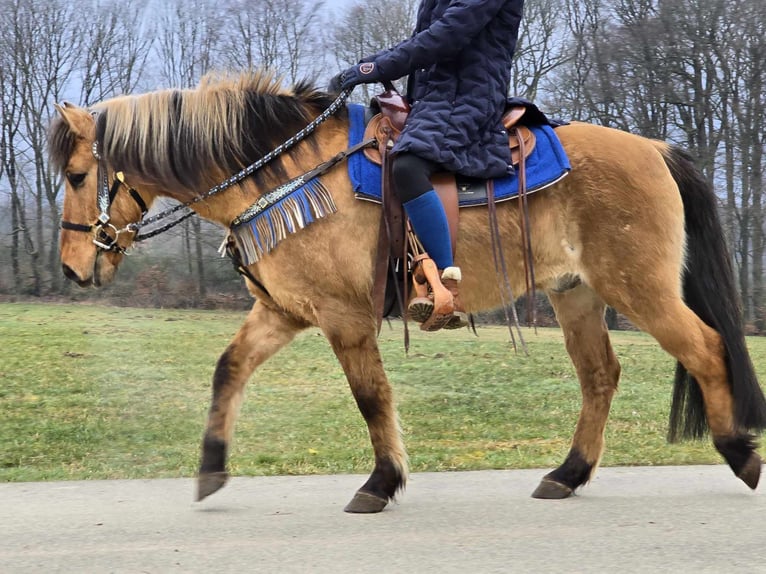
(354, 341)
(264, 332)
(580, 313)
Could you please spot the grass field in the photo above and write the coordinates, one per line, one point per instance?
(98, 392)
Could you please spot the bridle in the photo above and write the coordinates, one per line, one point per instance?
(106, 234)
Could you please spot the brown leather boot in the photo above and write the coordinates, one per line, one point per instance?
(447, 312)
(433, 305)
(422, 304)
(451, 278)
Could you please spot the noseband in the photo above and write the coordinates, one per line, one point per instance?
(105, 234)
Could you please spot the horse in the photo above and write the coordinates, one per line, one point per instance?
(633, 226)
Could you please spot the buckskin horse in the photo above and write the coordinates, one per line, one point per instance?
(633, 226)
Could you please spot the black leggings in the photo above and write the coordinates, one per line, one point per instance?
(412, 176)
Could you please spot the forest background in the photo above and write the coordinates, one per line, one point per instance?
(690, 72)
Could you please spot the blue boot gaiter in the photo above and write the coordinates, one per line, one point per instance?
(429, 221)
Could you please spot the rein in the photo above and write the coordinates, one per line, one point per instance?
(107, 234)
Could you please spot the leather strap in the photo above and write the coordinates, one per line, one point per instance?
(526, 238)
(446, 189)
(391, 244)
(504, 285)
(75, 226)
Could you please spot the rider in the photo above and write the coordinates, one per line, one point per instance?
(459, 61)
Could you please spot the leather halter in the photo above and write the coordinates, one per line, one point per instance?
(106, 235)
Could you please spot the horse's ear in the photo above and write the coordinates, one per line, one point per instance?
(76, 118)
(62, 110)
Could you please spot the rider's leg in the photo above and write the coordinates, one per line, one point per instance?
(412, 185)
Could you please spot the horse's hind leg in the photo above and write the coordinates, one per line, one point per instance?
(700, 349)
(353, 339)
(264, 332)
(580, 313)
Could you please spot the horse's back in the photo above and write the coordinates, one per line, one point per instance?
(625, 211)
(618, 214)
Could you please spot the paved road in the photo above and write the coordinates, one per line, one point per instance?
(666, 519)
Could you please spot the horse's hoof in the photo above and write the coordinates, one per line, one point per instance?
(209, 483)
(751, 472)
(420, 309)
(552, 490)
(365, 503)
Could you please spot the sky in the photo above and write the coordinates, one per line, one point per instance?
(338, 4)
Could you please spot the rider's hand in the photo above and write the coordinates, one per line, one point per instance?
(364, 73)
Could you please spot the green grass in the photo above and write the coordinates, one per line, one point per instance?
(98, 392)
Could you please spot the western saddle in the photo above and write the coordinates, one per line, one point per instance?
(397, 241)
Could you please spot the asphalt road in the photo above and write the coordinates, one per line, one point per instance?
(665, 519)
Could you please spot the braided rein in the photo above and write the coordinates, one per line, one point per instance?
(237, 177)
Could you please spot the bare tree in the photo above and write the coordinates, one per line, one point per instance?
(188, 45)
(40, 44)
(11, 117)
(283, 36)
(368, 27)
(742, 123)
(116, 47)
(542, 48)
(53, 37)
(188, 40)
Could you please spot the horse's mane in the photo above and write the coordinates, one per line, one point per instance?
(186, 137)
(61, 143)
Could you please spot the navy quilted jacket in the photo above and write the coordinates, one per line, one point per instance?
(459, 61)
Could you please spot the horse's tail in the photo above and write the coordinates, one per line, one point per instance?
(709, 290)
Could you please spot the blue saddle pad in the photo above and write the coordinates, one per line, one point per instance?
(546, 165)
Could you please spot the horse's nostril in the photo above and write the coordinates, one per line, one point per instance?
(70, 273)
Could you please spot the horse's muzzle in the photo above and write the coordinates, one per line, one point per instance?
(72, 275)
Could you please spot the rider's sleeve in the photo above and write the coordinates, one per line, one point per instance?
(444, 38)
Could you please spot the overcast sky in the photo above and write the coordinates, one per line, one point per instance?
(335, 4)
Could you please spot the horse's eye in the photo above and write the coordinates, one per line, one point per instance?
(76, 179)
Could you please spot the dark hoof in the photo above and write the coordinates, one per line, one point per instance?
(552, 490)
(365, 503)
(751, 472)
(209, 483)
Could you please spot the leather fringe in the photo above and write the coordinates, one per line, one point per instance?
(258, 236)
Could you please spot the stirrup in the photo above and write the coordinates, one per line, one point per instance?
(451, 277)
(435, 309)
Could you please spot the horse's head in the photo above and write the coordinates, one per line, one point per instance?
(97, 205)
(181, 144)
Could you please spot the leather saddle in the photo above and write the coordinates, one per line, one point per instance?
(383, 128)
(386, 125)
